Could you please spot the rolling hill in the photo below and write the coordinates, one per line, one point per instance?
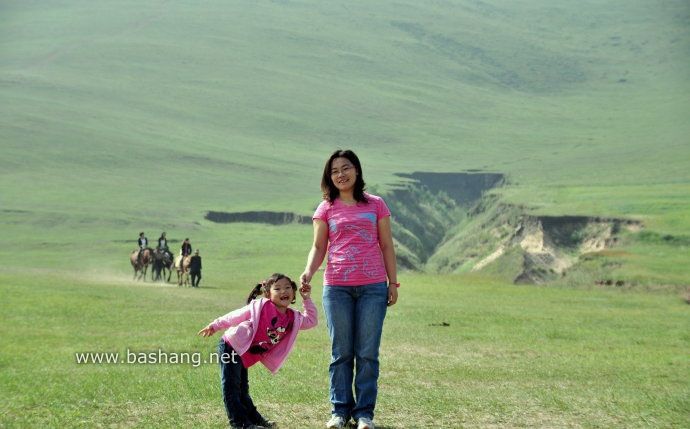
(128, 115)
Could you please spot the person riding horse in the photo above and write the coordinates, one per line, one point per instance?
(162, 262)
(186, 249)
(143, 243)
(163, 245)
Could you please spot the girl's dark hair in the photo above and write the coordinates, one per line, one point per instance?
(264, 288)
(330, 192)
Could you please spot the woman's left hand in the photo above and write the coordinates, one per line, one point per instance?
(392, 294)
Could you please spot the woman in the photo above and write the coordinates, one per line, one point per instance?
(360, 281)
(163, 244)
(143, 244)
(186, 248)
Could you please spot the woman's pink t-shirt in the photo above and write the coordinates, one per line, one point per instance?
(354, 255)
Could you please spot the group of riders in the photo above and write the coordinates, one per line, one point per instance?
(162, 249)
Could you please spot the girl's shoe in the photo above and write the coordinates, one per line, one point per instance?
(336, 422)
(263, 423)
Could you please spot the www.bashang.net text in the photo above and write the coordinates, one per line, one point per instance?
(153, 357)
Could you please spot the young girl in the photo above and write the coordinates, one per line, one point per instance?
(262, 331)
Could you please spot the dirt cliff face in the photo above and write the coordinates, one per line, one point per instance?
(464, 188)
(273, 218)
(553, 244)
(482, 233)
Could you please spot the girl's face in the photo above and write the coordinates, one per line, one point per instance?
(343, 174)
(281, 294)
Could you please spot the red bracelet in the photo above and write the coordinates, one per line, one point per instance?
(394, 284)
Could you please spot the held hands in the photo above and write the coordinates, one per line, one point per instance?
(305, 278)
(305, 288)
(305, 291)
(207, 331)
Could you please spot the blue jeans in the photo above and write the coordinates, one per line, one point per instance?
(354, 315)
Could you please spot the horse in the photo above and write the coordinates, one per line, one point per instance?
(182, 269)
(162, 261)
(140, 266)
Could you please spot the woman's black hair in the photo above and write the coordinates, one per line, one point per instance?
(264, 288)
(330, 192)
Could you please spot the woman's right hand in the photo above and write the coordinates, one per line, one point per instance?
(305, 278)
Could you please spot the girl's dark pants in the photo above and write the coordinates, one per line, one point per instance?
(234, 382)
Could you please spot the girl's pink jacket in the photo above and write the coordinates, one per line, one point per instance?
(243, 323)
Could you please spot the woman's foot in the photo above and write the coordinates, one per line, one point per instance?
(365, 423)
(336, 422)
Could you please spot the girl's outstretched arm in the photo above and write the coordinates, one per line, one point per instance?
(233, 318)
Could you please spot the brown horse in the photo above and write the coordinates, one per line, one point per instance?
(140, 267)
(182, 269)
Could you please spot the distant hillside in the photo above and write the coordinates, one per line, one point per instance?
(125, 111)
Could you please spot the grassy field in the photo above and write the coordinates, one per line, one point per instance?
(118, 117)
(511, 356)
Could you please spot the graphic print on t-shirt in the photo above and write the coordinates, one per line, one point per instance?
(354, 253)
(363, 233)
(275, 333)
(345, 254)
(357, 236)
(369, 216)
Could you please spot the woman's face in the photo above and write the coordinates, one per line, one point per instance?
(343, 174)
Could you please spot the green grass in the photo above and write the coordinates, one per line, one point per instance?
(512, 356)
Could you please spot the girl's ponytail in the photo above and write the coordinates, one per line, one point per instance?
(258, 290)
